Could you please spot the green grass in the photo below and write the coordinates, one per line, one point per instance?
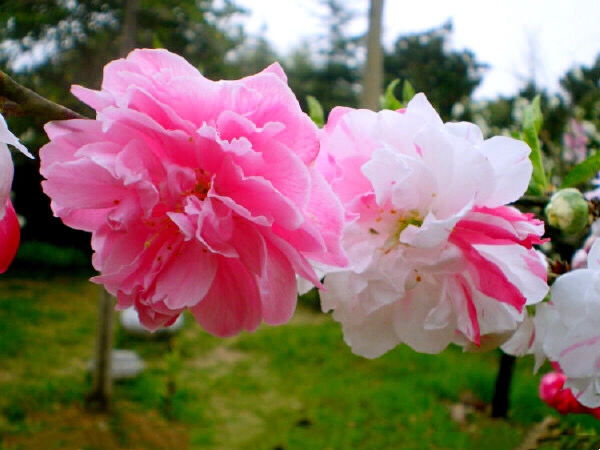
(42, 259)
(292, 387)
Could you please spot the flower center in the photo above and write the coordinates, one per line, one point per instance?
(202, 186)
(409, 218)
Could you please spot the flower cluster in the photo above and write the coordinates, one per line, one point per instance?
(198, 194)
(213, 197)
(436, 256)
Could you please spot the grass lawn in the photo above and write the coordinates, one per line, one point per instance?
(292, 387)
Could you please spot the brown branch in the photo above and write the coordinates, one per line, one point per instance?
(17, 99)
(530, 201)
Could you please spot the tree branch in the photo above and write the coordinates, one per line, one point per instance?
(17, 99)
(529, 201)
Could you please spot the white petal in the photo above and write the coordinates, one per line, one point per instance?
(568, 294)
(7, 137)
(469, 131)
(519, 343)
(410, 315)
(373, 336)
(419, 105)
(593, 261)
(509, 159)
(6, 177)
(385, 171)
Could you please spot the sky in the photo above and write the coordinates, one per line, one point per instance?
(514, 37)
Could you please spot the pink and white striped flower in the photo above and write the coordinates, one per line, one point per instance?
(436, 256)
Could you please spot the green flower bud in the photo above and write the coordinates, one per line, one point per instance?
(568, 210)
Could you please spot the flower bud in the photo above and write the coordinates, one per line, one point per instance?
(568, 210)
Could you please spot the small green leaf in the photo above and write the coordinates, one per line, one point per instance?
(156, 42)
(582, 172)
(315, 111)
(532, 123)
(408, 92)
(389, 100)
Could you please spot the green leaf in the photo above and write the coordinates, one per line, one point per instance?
(156, 42)
(531, 125)
(582, 172)
(408, 92)
(315, 111)
(389, 100)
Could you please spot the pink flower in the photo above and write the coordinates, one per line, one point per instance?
(575, 142)
(435, 255)
(9, 225)
(198, 194)
(580, 257)
(554, 394)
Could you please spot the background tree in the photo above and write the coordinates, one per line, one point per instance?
(329, 71)
(252, 56)
(55, 43)
(426, 61)
(582, 87)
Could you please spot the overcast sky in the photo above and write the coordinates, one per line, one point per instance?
(502, 33)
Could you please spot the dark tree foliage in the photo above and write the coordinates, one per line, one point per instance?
(582, 85)
(49, 45)
(55, 43)
(254, 55)
(424, 59)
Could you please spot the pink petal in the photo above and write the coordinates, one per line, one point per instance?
(186, 277)
(233, 302)
(9, 236)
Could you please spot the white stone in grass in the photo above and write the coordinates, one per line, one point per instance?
(124, 364)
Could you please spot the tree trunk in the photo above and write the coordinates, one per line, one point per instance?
(373, 71)
(501, 402)
(129, 35)
(99, 399)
